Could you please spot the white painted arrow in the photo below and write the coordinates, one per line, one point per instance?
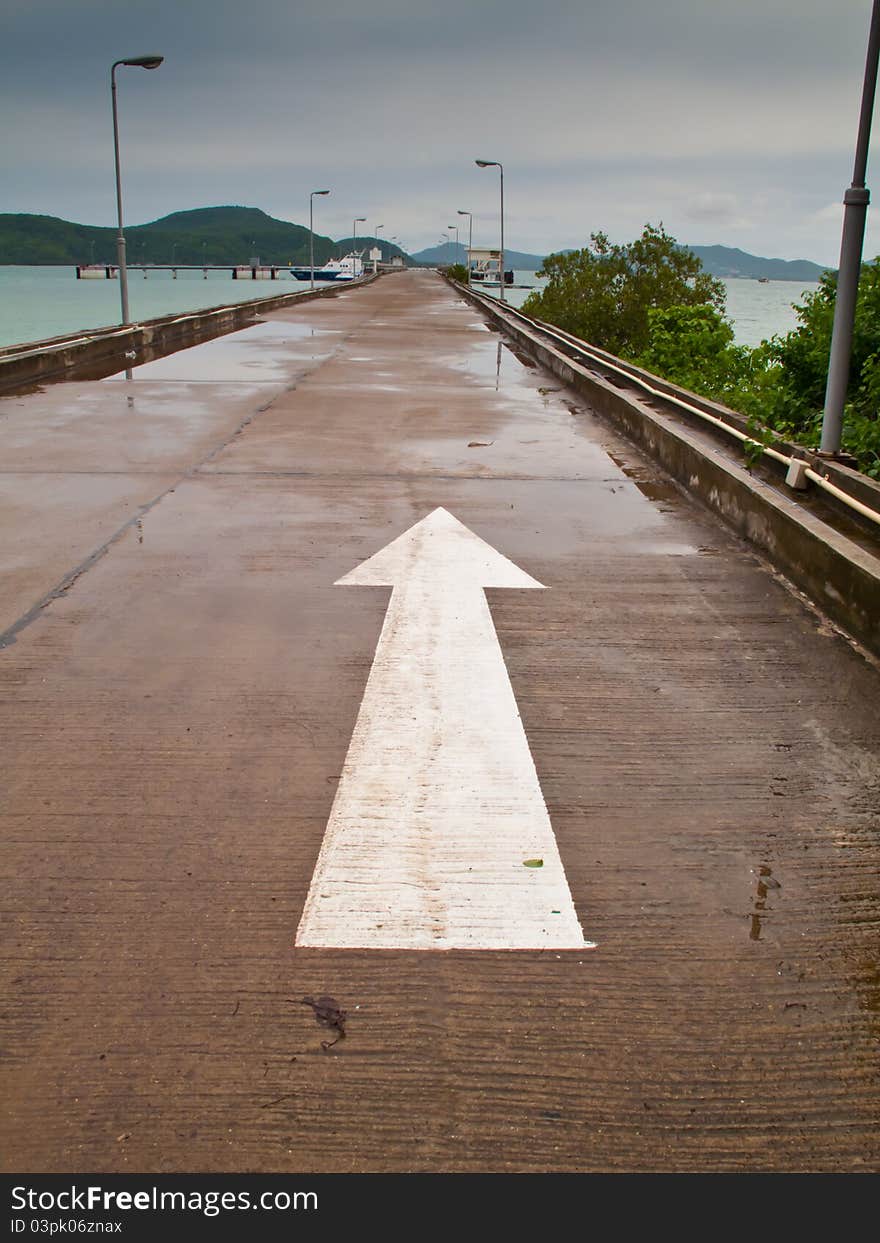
(438, 807)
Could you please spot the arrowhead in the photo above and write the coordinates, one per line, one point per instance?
(439, 548)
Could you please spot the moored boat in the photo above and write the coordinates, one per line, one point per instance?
(347, 269)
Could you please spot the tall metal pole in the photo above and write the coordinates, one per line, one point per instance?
(497, 164)
(470, 217)
(120, 236)
(855, 211)
(501, 170)
(312, 236)
(141, 62)
(357, 220)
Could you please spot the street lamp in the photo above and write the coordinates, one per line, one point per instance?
(500, 167)
(312, 235)
(444, 240)
(378, 227)
(470, 239)
(354, 233)
(141, 62)
(856, 200)
(455, 252)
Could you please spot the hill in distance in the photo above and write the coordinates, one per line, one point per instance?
(211, 235)
(729, 261)
(221, 235)
(440, 255)
(723, 261)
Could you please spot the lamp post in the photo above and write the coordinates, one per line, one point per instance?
(455, 252)
(354, 233)
(500, 167)
(378, 227)
(444, 241)
(856, 200)
(312, 235)
(141, 62)
(470, 239)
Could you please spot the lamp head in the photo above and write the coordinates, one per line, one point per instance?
(463, 213)
(144, 62)
(486, 163)
(320, 192)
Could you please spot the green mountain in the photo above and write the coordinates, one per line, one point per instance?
(730, 261)
(213, 235)
(221, 235)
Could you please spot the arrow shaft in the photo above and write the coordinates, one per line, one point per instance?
(439, 803)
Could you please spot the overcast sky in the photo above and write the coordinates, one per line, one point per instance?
(730, 121)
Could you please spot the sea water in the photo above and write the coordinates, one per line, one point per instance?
(40, 302)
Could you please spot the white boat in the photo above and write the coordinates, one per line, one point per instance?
(484, 268)
(347, 269)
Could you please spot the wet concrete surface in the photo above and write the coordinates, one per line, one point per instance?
(175, 722)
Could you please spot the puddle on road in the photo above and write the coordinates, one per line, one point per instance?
(659, 490)
(250, 354)
(497, 361)
(766, 883)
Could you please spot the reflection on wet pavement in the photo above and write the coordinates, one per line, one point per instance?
(265, 352)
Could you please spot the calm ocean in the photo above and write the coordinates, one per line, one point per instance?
(40, 302)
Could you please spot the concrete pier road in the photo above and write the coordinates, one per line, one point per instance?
(349, 658)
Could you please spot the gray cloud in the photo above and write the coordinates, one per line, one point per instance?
(731, 123)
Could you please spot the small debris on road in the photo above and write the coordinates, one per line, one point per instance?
(328, 1013)
(480, 444)
(533, 863)
(288, 1096)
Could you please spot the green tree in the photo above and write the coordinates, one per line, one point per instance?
(790, 394)
(604, 293)
(693, 346)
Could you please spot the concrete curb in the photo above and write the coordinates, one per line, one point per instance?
(842, 578)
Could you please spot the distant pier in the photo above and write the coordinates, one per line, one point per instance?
(239, 271)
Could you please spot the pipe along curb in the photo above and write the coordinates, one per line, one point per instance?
(840, 577)
(101, 352)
